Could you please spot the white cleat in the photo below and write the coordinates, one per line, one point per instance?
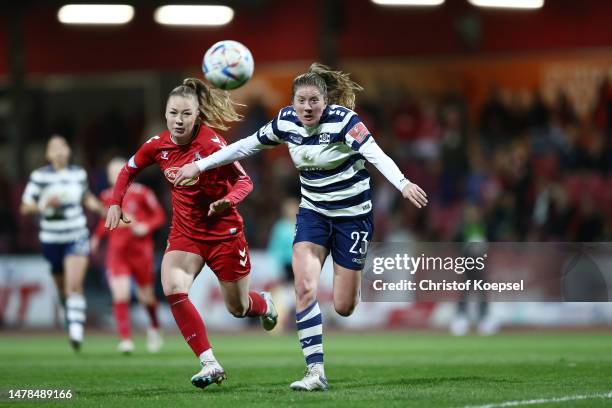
(460, 326)
(488, 326)
(211, 372)
(155, 340)
(314, 380)
(76, 334)
(269, 320)
(125, 346)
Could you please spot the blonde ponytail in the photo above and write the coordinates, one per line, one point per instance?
(215, 106)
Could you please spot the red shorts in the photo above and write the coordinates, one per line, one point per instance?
(228, 259)
(139, 266)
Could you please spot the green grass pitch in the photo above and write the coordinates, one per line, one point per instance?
(369, 370)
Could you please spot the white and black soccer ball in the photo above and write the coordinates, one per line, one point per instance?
(228, 65)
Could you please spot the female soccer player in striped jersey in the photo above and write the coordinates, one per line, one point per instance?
(206, 227)
(329, 146)
(56, 193)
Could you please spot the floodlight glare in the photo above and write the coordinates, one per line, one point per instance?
(408, 2)
(194, 15)
(95, 14)
(515, 4)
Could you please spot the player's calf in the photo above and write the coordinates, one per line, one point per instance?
(238, 310)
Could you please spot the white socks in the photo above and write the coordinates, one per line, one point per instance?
(207, 356)
(75, 316)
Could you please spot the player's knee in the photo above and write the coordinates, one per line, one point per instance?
(145, 296)
(173, 289)
(237, 310)
(345, 308)
(145, 300)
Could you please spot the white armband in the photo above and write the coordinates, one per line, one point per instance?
(231, 153)
(374, 154)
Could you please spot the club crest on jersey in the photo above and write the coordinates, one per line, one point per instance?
(324, 138)
(359, 132)
(164, 155)
(171, 172)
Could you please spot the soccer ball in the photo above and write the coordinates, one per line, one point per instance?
(228, 65)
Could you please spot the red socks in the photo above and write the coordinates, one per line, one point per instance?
(152, 312)
(121, 311)
(189, 322)
(257, 305)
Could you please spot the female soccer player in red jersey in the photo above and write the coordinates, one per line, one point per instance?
(130, 254)
(206, 227)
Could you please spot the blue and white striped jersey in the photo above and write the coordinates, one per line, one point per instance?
(333, 177)
(67, 223)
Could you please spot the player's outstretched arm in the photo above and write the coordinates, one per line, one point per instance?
(374, 154)
(236, 151)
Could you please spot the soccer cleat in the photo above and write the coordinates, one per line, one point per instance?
(460, 326)
(76, 345)
(269, 320)
(75, 334)
(125, 346)
(314, 380)
(155, 340)
(211, 372)
(488, 326)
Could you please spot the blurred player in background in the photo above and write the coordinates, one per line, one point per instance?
(280, 248)
(130, 254)
(329, 146)
(472, 231)
(206, 226)
(57, 193)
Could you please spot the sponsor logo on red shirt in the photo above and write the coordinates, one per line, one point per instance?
(171, 172)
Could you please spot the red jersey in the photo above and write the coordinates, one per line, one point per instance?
(140, 206)
(190, 202)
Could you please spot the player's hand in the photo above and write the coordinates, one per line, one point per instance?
(415, 194)
(53, 202)
(185, 173)
(113, 217)
(140, 229)
(219, 206)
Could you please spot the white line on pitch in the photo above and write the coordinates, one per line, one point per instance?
(542, 401)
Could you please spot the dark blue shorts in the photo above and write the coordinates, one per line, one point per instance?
(55, 253)
(346, 238)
